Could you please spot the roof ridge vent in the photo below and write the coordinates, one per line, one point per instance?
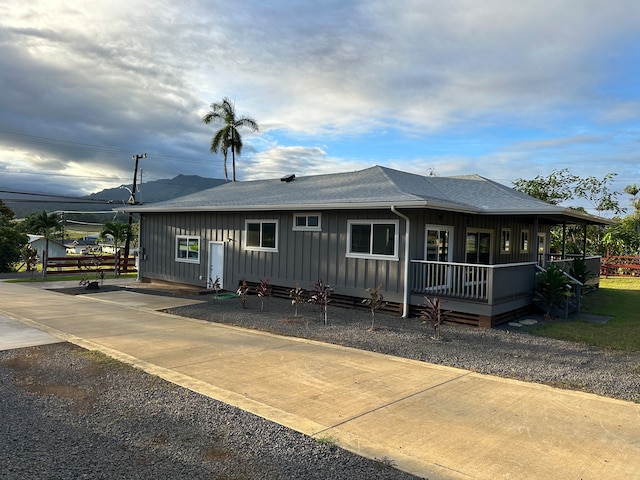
(288, 178)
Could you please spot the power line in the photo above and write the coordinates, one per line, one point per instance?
(49, 195)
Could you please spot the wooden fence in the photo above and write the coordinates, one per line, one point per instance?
(89, 264)
(620, 266)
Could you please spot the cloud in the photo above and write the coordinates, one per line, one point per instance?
(106, 80)
(278, 161)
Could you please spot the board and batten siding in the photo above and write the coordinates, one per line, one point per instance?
(306, 256)
(302, 256)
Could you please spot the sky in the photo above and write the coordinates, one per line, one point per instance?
(501, 88)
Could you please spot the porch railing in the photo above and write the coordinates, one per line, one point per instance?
(479, 283)
(592, 262)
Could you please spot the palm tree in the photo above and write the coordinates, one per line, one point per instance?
(633, 190)
(45, 225)
(228, 136)
(119, 231)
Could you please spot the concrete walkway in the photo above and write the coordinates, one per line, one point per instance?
(433, 421)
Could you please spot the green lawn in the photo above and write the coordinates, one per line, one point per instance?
(616, 297)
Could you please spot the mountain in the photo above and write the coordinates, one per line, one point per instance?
(105, 200)
(159, 190)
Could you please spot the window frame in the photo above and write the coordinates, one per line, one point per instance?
(449, 229)
(372, 223)
(188, 239)
(505, 240)
(306, 227)
(478, 232)
(524, 247)
(261, 222)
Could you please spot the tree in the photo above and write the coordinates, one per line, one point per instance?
(622, 238)
(633, 191)
(120, 232)
(11, 239)
(553, 189)
(598, 193)
(561, 186)
(228, 136)
(46, 224)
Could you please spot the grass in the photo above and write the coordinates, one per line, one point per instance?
(99, 358)
(327, 441)
(618, 298)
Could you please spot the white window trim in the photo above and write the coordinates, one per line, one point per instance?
(297, 228)
(503, 250)
(261, 222)
(187, 238)
(396, 239)
(528, 249)
(447, 228)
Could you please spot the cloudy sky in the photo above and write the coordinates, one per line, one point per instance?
(506, 89)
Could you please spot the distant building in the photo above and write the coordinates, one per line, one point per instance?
(38, 243)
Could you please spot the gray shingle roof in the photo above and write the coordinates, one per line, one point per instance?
(375, 187)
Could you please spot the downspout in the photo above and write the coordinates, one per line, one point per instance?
(405, 306)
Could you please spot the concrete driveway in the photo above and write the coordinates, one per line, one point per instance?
(430, 420)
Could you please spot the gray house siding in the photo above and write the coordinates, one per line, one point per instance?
(306, 256)
(302, 256)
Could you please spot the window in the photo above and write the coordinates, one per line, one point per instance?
(372, 239)
(187, 249)
(438, 241)
(542, 249)
(307, 221)
(505, 240)
(478, 246)
(524, 241)
(261, 235)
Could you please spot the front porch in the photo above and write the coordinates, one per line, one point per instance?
(481, 295)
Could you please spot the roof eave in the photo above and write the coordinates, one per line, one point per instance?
(297, 207)
(565, 214)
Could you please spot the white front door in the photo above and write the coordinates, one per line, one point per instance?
(216, 264)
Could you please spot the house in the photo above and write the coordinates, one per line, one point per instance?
(38, 243)
(473, 242)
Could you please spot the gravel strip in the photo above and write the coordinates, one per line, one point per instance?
(70, 414)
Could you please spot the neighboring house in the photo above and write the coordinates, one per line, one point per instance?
(38, 243)
(470, 241)
(108, 248)
(81, 247)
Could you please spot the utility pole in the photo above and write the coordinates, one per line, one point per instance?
(132, 201)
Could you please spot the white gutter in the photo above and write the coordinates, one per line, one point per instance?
(405, 306)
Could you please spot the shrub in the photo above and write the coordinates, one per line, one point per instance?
(553, 289)
(320, 297)
(432, 314)
(243, 291)
(375, 301)
(298, 296)
(264, 291)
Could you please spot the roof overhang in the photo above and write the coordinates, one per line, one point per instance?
(552, 215)
(294, 207)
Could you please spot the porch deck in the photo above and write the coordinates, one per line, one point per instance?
(481, 295)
